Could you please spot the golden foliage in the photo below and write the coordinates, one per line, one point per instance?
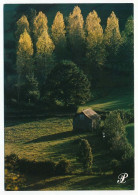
(45, 45)
(94, 29)
(25, 44)
(94, 40)
(75, 26)
(112, 32)
(40, 24)
(24, 52)
(44, 57)
(58, 29)
(22, 24)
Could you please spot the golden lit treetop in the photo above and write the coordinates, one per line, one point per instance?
(45, 45)
(112, 32)
(93, 28)
(22, 24)
(58, 28)
(25, 45)
(24, 60)
(76, 22)
(40, 24)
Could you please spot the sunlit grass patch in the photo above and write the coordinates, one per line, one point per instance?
(115, 100)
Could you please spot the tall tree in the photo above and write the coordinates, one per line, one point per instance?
(44, 57)
(94, 41)
(22, 24)
(58, 35)
(24, 60)
(76, 34)
(40, 25)
(112, 39)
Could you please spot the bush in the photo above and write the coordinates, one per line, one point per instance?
(128, 166)
(116, 167)
(130, 116)
(126, 116)
(44, 168)
(85, 155)
(123, 166)
(119, 146)
(63, 167)
(11, 161)
(113, 127)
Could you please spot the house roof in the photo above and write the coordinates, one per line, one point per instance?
(90, 113)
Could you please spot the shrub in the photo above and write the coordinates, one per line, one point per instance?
(44, 168)
(113, 127)
(85, 155)
(126, 116)
(11, 161)
(123, 166)
(116, 167)
(63, 167)
(130, 116)
(128, 165)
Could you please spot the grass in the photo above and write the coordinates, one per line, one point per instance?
(53, 138)
(122, 99)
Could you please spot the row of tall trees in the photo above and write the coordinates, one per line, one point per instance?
(39, 48)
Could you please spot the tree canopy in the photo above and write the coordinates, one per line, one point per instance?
(68, 84)
(94, 41)
(22, 24)
(40, 24)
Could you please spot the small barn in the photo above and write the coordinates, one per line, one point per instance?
(87, 120)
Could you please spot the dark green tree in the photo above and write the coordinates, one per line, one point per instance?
(68, 84)
(31, 91)
(126, 52)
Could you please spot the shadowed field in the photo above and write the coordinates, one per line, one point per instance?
(53, 138)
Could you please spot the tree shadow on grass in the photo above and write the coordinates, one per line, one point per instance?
(43, 184)
(53, 137)
(100, 183)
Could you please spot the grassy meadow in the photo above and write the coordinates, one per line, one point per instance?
(53, 138)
